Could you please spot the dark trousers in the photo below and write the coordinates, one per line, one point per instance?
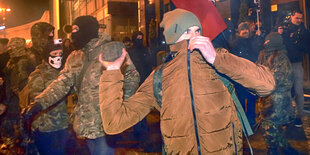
(249, 106)
(51, 143)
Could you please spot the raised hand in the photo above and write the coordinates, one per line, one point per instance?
(204, 45)
(115, 65)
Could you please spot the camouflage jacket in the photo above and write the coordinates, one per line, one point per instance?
(18, 69)
(56, 117)
(277, 107)
(87, 120)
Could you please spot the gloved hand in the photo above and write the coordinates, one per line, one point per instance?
(29, 112)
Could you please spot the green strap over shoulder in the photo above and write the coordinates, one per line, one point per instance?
(157, 84)
(246, 128)
(157, 88)
(240, 112)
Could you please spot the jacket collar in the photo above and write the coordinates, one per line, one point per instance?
(178, 46)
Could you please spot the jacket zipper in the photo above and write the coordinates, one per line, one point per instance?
(192, 99)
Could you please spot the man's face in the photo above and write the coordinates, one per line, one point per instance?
(190, 33)
(245, 33)
(296, 19)
(280, 29)
(139, 37)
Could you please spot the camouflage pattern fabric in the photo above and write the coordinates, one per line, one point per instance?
(87, 119)
(273, 135)
(40, 37)
(277, 107)
(18, 46)
(19, 66)
(56, 117)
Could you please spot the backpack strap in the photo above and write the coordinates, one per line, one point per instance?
(90, 56)
(81, 75)
(246, 128)
(157, 84)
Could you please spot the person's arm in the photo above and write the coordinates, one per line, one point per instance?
(254, 77)
(257, 78)
(65, 81)
(131, 80)
(35, 84)
(281, 68)
(118, 114)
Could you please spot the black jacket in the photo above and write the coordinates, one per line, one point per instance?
(296, 40)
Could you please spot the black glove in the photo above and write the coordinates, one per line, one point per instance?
(28, 113)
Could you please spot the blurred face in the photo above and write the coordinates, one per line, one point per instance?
(245, 33)
(190, 33)
(296, 19)
(139, 37)
(280, 29)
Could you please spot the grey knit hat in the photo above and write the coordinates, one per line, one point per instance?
(176, 22)
(275, 42)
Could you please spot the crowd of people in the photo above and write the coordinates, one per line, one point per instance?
(115, 85)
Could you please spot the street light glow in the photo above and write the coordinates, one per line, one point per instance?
(5, 9)
(2, 27)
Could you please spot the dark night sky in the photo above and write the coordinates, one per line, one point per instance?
(24, 11)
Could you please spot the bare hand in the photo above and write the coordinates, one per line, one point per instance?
(115, 65)
(205, 46)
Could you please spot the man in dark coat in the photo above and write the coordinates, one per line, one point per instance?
(140, 56)
(296, 40)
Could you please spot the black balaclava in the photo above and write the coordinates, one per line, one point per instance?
(88, 29)
(137, 42)
(50, 59)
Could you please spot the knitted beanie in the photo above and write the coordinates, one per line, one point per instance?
(176, 22)
(275, 42)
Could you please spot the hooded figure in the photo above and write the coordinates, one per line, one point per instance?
(140, 56)
(17, 70)
(197, 112)
(53, 122)
(53, 55)
(19, 66)
(276, 109)
(84, 29)
(41, 34)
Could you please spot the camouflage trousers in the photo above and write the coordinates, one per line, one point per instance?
(274, 136)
